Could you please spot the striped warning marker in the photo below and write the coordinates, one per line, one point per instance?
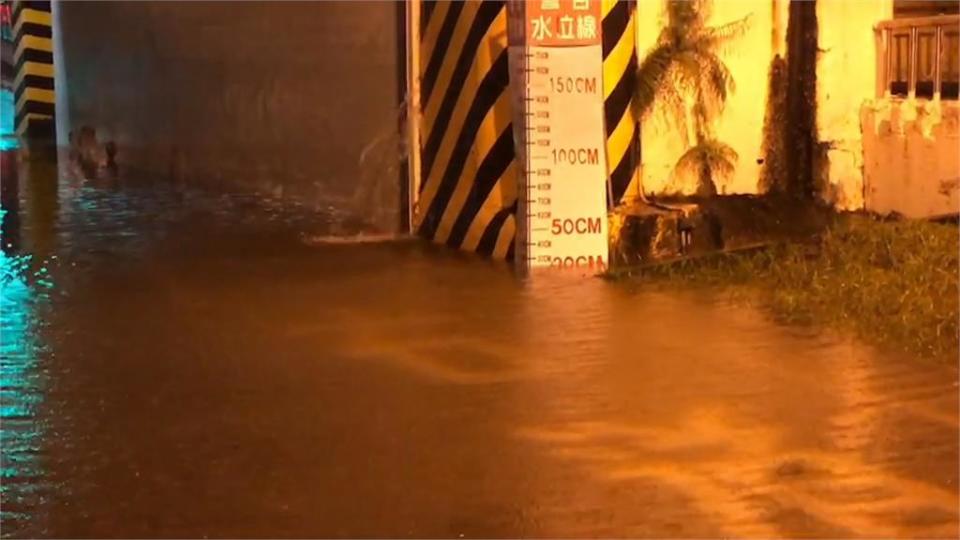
(33, 60)
(468, 192)
(468, 189)
(619, 76)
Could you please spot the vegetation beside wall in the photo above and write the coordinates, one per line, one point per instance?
(800, 125)
(685, 77)
(893, 283)
(773, 149)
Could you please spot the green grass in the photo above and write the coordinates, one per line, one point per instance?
(894, 283)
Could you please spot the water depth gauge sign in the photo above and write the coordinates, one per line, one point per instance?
(557, 90)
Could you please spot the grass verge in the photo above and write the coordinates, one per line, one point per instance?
(894, 283)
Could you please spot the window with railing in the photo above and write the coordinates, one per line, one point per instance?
(918, 57)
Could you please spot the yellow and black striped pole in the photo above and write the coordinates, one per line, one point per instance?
(619, 76)
(34, 93)
(468, 190)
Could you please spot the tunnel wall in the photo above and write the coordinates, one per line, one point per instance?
(468, 188)
(296, 100)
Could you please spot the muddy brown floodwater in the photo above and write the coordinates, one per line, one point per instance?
(177, 364)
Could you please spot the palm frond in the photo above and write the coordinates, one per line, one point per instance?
(652, 76)
(685, 64)
(687, 72)
(718, 38)
(721, 158)
(719, 75)
(671, 107)
(714, 157)
(689, 163)
(716, 82)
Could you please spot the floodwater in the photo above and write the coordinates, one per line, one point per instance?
(186, 365)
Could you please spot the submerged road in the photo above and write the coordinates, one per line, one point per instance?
(180, 365)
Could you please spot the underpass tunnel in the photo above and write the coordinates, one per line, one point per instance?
(307, 103)
(299, 102)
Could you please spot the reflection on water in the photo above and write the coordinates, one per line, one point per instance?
(8, 139)
(184, 364)
(22, 386)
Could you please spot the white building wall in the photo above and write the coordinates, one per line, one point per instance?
(846, 78)
(912, 157)
(741, 125)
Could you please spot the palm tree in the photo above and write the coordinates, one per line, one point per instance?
(684, 67)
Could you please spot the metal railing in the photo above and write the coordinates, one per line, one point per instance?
(919, 58)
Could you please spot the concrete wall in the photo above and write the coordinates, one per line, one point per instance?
(281, 97)
(846, 77)
(741, 125)
(911, 162)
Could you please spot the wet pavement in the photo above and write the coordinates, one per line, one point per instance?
(178, 364)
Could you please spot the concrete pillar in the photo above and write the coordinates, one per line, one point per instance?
(34, 95)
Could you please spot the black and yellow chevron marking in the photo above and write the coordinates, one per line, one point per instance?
(468, 193)
(619, 75)
(33, 60)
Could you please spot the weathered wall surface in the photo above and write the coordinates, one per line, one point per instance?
(281, 97)
(846, 77)
(741, 124)
(911, 163)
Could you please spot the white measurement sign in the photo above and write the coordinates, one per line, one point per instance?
(562, 210)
